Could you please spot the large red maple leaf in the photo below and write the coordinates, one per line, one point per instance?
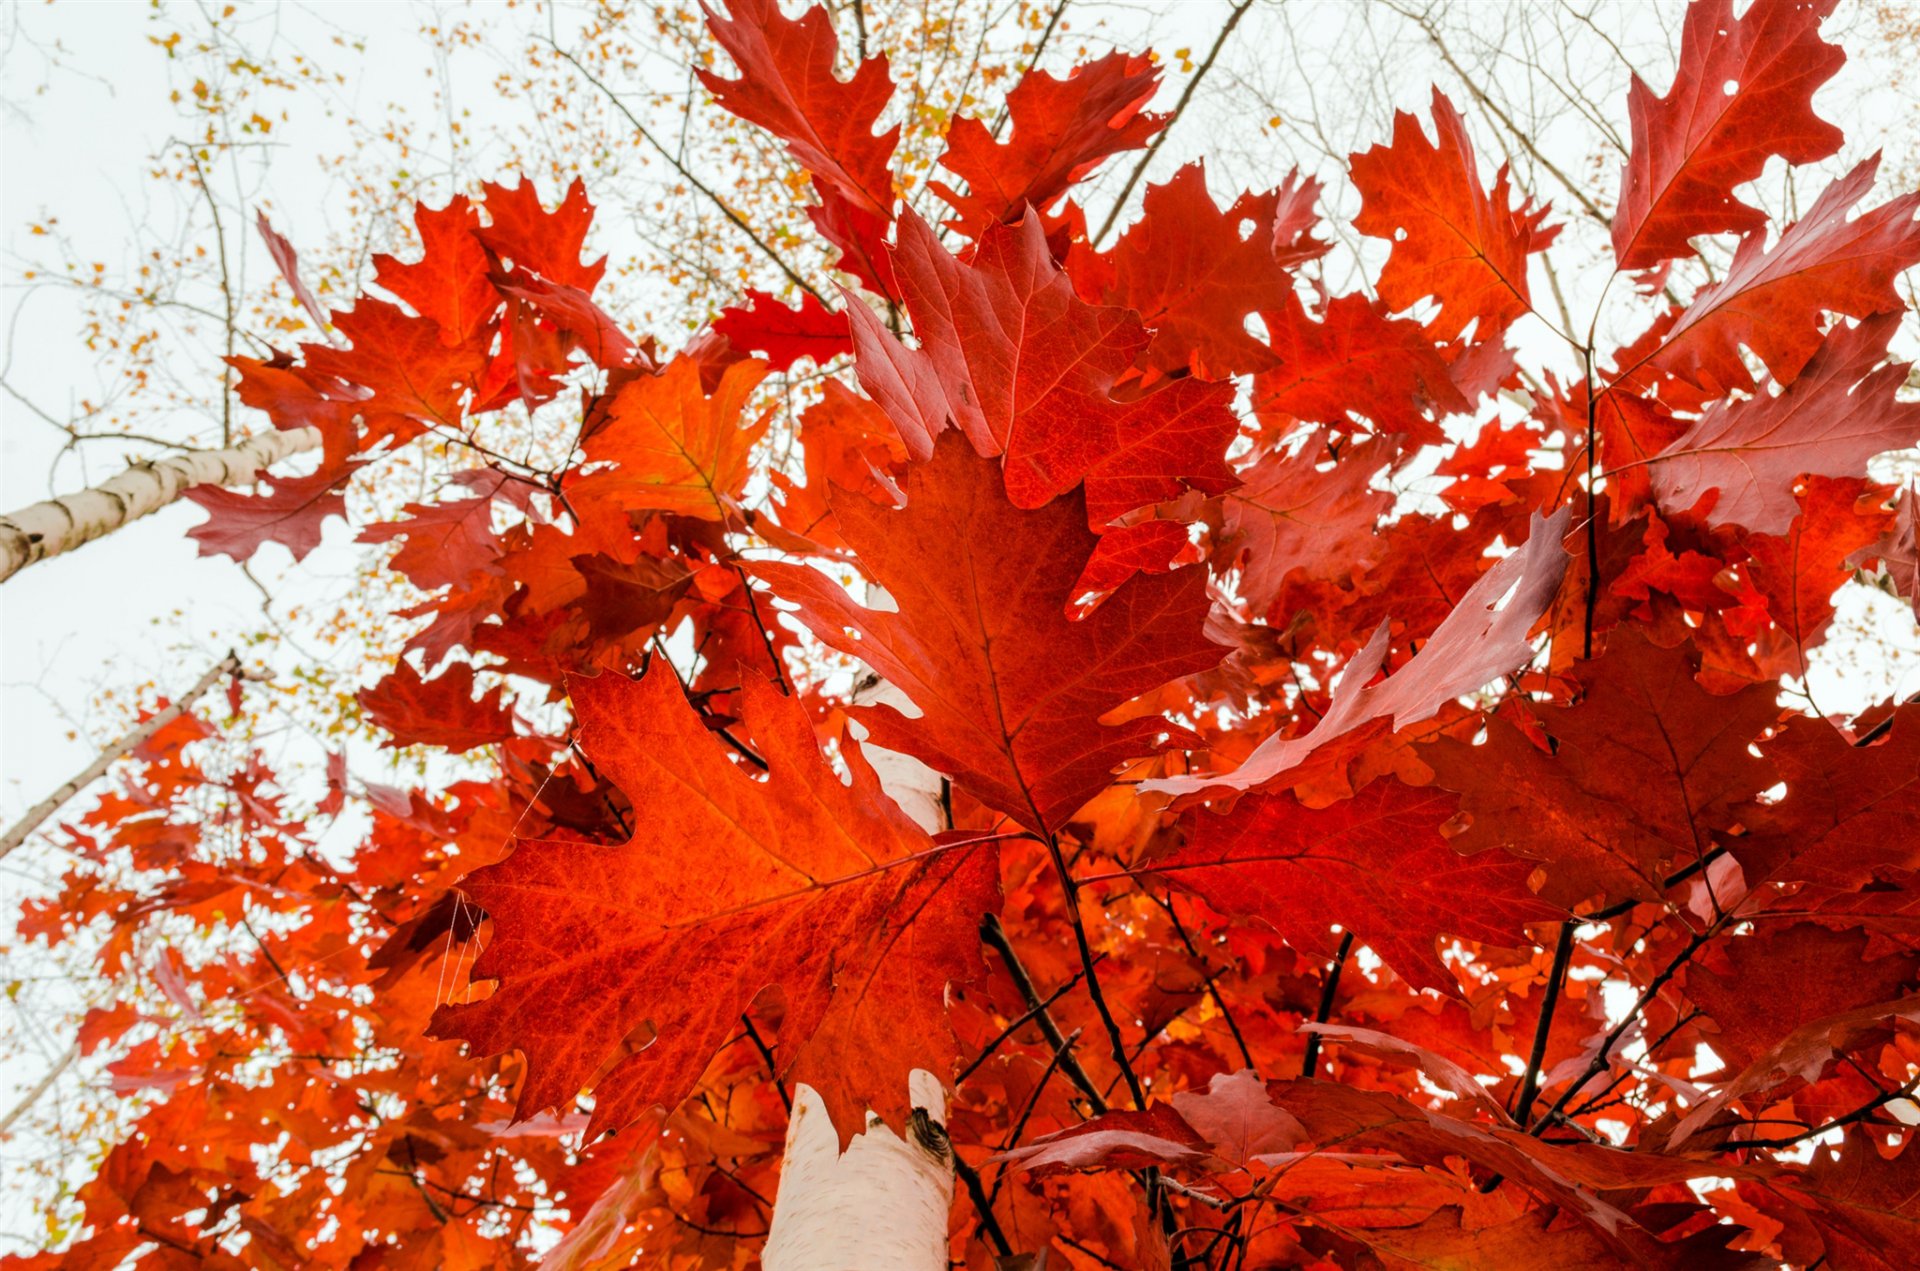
(728, 886)
(1743, 92)
(1643, 771)
(1194, 277)
(1010, 689)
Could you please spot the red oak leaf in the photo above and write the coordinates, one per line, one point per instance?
(825, 889)
(783, 336)
(1474, 644)
(1898, 550)
(1352, 362)
(1461, 245)
(441, 711)
(287, 261)
(1641, 773)
(1028, 369)
(536, 241)
(787, 85)
(1195, 278)
(1062, 130)
(1120, 1139)
(1742, 94)
(293, 514)
(669, 446)
(1376, 865)
(1839, 412)
(1771, 299)
(1302, 511)
(449, 283)
(1010, 689)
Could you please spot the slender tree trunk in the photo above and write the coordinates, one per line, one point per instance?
(14, 837)
(883, 1203)
(45, 1084)
(60, 525)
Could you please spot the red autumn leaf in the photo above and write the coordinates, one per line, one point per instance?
(1839, 412)
(1640, 774)
(824, 889)
(1376, 864)
(1026, 368)
(1353, 361)
(1742, 94)
(667, 445)
(449, 283)
(1237, 1119)
(1898, 550)
(293, 514)
(441, 711)
(287, 261)
(1771, 299)
(1801, 1056)
(1780, 977)
(1062, 129)
(535, 241)
(1228, 1125)
(787, 85)
(1010, 690)
(1121, 1139)
(1473, 645)
(1302, 511)
(444, 544)
(1194, 277)
(416, 380)
(782, 335)
(1842, 824)
(1797, 573)
(1453, 241)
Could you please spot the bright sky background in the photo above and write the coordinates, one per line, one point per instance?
(85, 109)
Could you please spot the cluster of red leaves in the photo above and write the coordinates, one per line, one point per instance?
(1243, 939)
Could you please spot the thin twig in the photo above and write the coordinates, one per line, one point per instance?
(1530, 1083)
(766, 1055)
(996, 938)
(732, 216)
(1311, 1060)
(1200, 73)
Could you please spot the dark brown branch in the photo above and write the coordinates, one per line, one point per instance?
(766, 1057)
(1116, 1044)
(1000, 1040)
(1311, 1060)
(1530, 1083)
(1206, 973)
(1598, 1064)
(970, 1178)
(996, 938)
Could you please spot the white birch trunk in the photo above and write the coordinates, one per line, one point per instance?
(62, 524)
(882, 1205)
(14, 837)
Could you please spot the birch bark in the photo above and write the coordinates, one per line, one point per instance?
(60, 525)
(883, 1203)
